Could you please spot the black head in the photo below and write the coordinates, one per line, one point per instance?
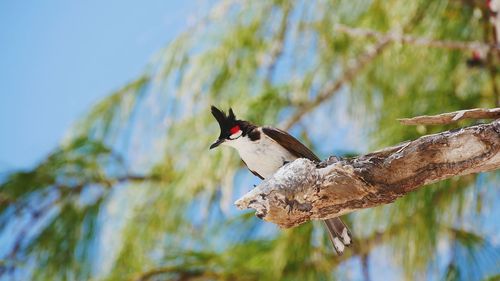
(230, 127)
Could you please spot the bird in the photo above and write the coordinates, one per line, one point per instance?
(264, 150)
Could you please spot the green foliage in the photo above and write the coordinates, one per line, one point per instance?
(142, 152)
(58, 221)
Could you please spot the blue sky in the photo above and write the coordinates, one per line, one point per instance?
(58, 57)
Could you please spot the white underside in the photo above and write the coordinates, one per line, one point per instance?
(264, 156)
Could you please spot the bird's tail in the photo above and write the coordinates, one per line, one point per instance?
(339, 234)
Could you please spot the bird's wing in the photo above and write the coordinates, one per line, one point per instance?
(253, 172)
(290, 143)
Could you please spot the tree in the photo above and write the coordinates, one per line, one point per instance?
(304, 190)
(131, 194)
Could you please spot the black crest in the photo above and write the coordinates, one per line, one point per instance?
(226, 122)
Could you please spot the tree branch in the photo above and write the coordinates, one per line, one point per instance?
(493, 55)
(183, 274)
(304, 190)
(331, 88)
(450, 117)
(413, 40)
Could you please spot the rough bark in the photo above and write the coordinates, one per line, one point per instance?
(303, 190)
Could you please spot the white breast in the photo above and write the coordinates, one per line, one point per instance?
(263, 156)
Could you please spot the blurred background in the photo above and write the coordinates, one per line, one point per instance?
(105, 172)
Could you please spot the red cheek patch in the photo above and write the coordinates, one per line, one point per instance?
(235, 129)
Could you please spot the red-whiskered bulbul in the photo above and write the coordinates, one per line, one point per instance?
(266, 149)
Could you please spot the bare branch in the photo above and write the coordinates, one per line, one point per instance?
(365, 267)
(331, 88)
(451, 117)
(304, 190)
(492, 35)
(413, 40)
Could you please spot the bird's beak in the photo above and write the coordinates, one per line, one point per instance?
(216, 143)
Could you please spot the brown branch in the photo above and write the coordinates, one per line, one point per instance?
(494, 87)
(413, 40)
(332, 87)
(304, 190)
(451, 117)
(183, 273)
(492, 29)
(132, 178)
(365, 267)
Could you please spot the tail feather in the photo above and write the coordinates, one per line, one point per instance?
(339, 234)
